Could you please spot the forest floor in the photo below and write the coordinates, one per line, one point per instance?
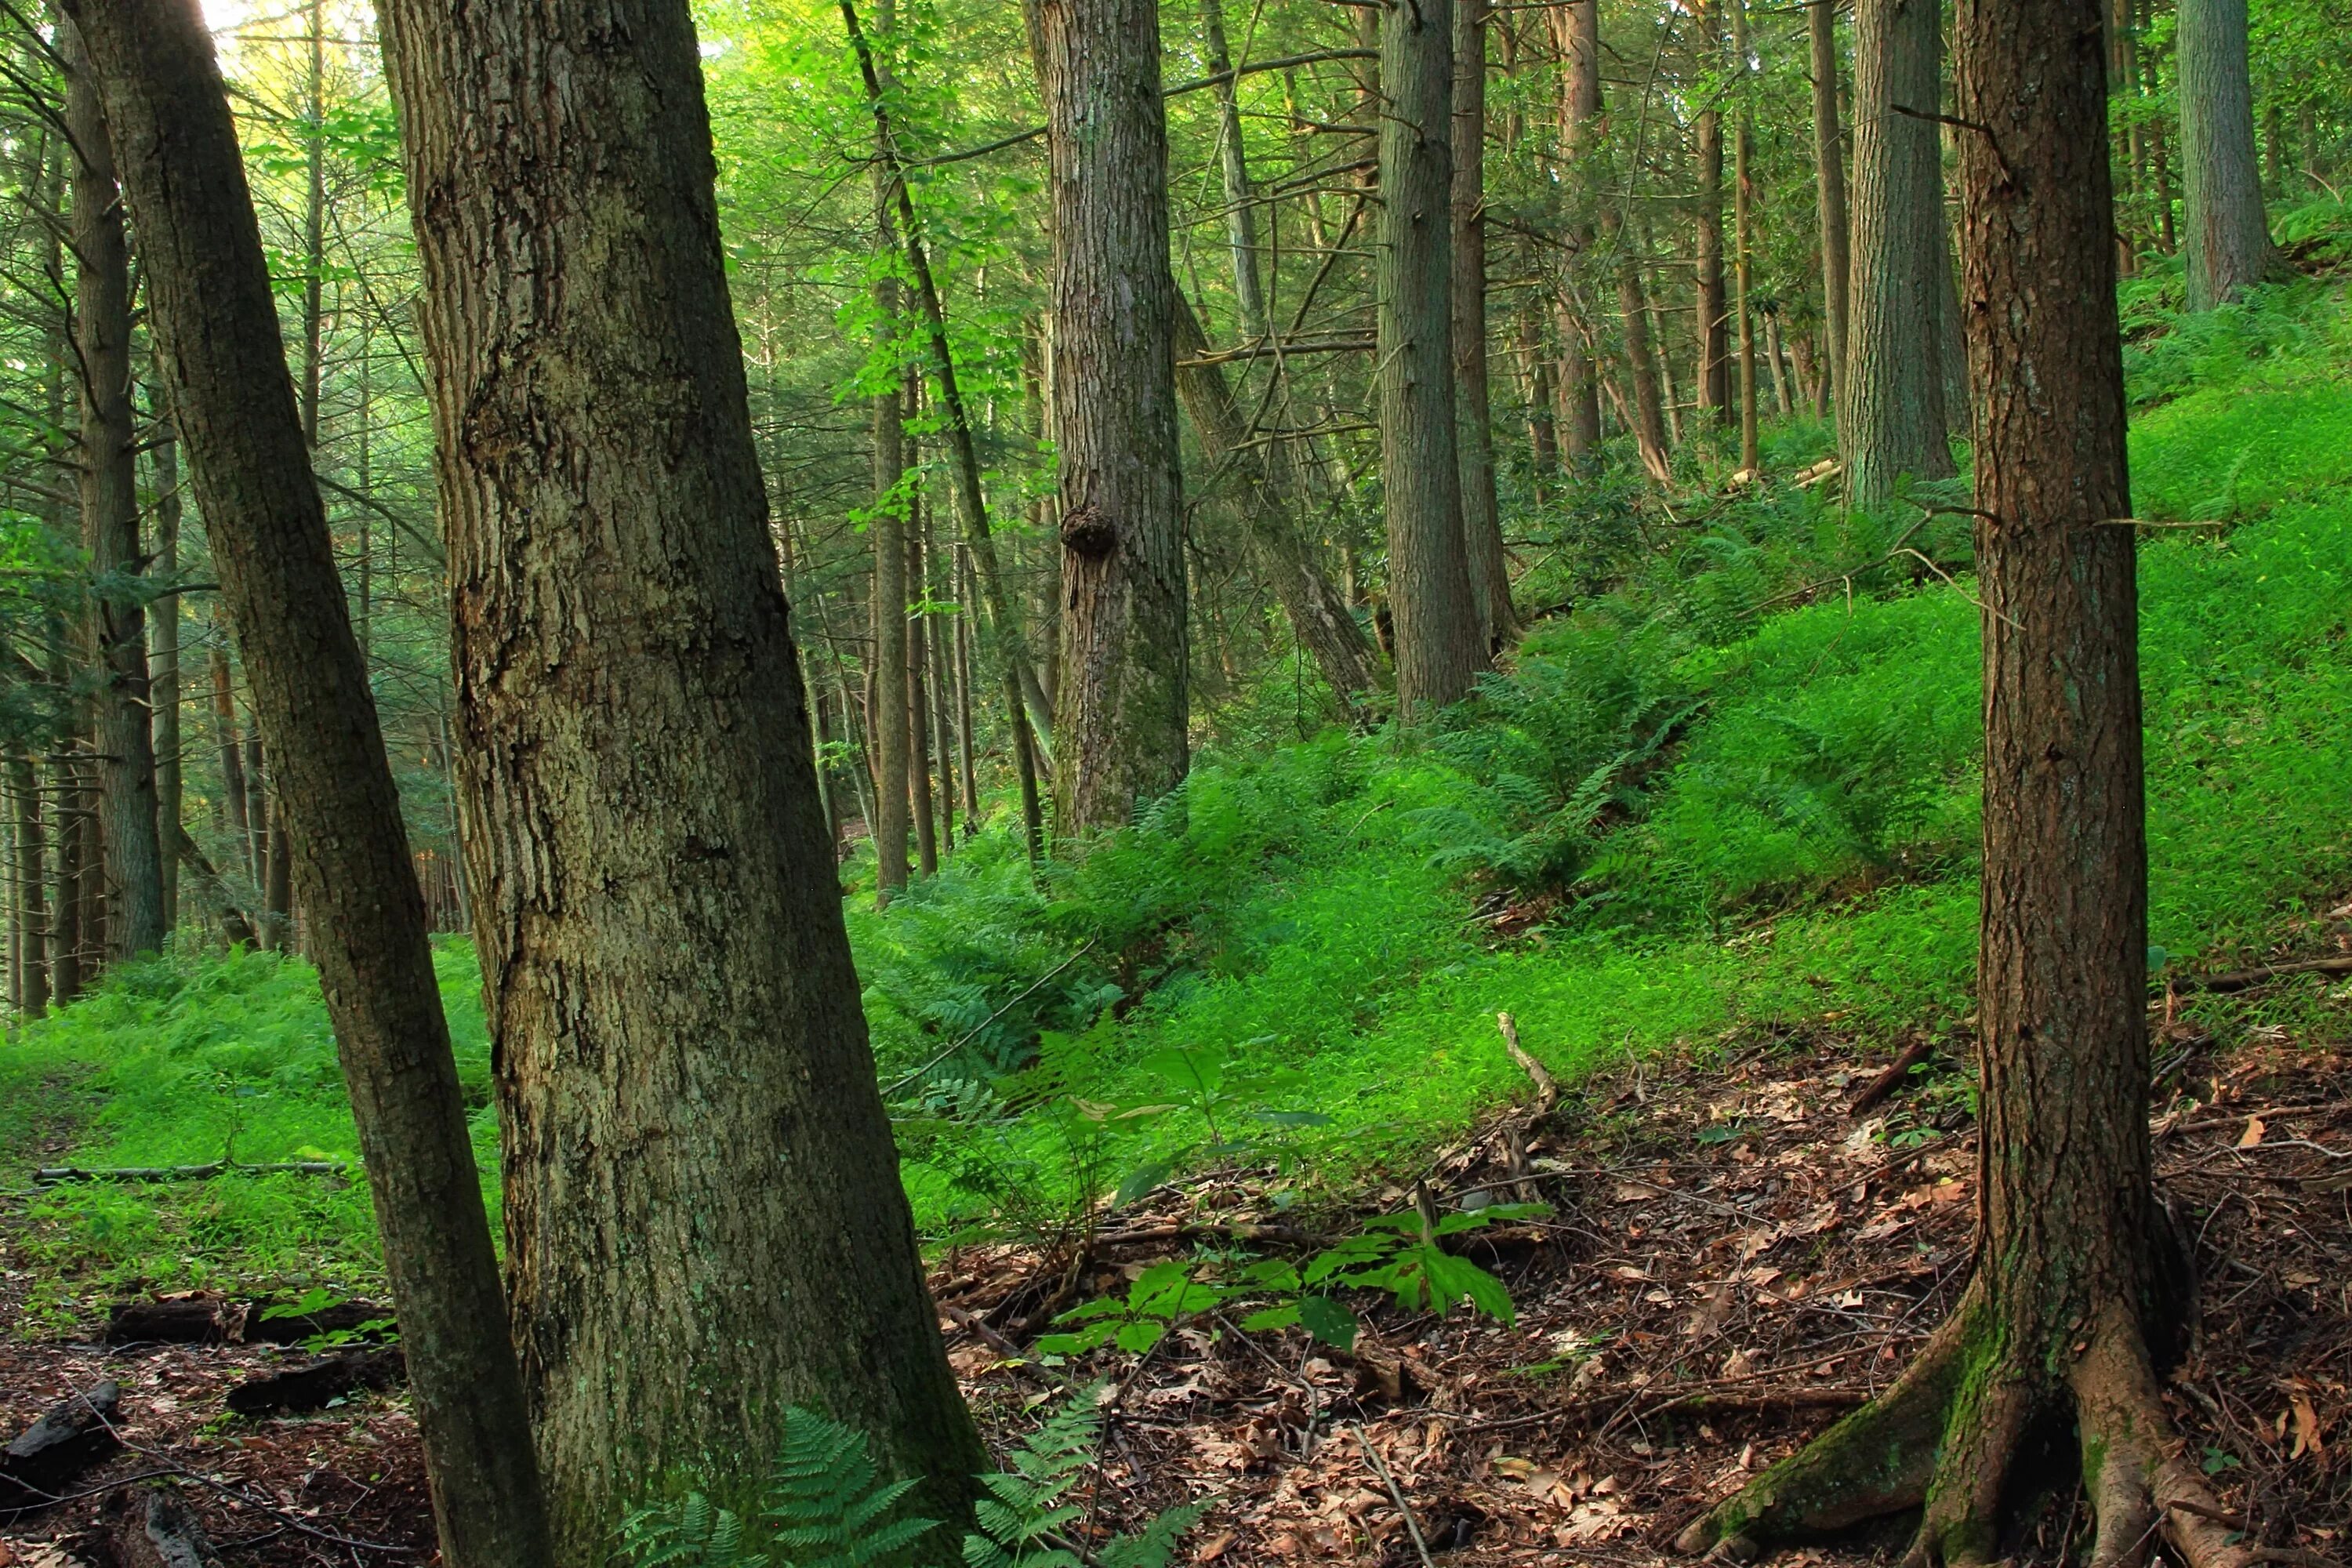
(1734, 1257)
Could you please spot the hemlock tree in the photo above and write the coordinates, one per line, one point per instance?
(1892, 420)
(2227, 242)
(1120, 712)
(2075, 1272)
(122, 728)
(887, 533)
(1430, 592)
(223, 366)
(705, 1223)
(1829, 177)
(1482, 523)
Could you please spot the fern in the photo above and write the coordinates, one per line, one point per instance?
(826, 1507)
(692, 1532)
(1022, 1518)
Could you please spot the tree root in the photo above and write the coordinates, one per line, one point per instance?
(1946, 1439)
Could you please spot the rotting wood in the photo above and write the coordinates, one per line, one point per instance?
(52, 1176)
(1887, 1082)
(152, 1527)
(2247, 979)
(68, 1438)
(316, 1383)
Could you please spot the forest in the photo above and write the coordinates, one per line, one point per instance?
(807, 784)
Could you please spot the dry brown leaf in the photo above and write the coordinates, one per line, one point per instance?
(1214, 1547)
(2253, 1135)
(2308, 1436)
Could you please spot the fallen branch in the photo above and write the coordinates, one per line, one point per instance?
(53, 1175)
(1887, 1082)
(1547, 1086)
(1396, 1493)
(2247, 979)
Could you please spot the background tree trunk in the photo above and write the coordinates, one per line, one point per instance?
(1829, 176)
(887, 537)
(2228, 242)
(1895, 405)
(1121, 713)
(1430, 593)
(31, 871)
(704, 1219)
(1743, 204)
(1482, 523)
(1714, 312)
(121, 727)
(1233, 165)
(222, 360)
(164, 687)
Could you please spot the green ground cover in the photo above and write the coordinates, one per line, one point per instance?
(1734, 791)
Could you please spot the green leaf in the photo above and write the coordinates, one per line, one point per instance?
(1328, 1322)
(1140, 1335)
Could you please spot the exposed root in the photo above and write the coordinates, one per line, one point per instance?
(2140, 1484)
(1992, 1409)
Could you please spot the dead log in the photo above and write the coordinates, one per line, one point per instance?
(2247, 979)
(1887, 1082)
(314, 1384)
(342, 1318)
(213, 1321)
(154, 1527)
(68, 1439)
(52, 1176)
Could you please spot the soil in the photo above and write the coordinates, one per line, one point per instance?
(1731, 1261)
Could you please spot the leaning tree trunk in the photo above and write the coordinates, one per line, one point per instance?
(704, 1220)
(1828, 167)
(221, 358)
(1482, 522)
(2228, 241)
(2069, 1293)
(1431, 600)
(1121, 711)
(1894, 416)
(121, 723)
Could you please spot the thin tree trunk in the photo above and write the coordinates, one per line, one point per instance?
(1829, 183)
(886, 535)
(1577, 28)
(31, 873)
(1743, 204)
(667, 972)
(1430, 595)
(1714, 371)
(1783, 402)
(164, 685)
(1482, 523)
(964, 744)
(122, 728)
(256, 817)
(1240, 214)
(918, 706)
(1543, 435)
(2228, 242)
(1641, 361)
(232, 760)
(217, 327)
(940, 640)
(1893, 419)
(1121, 713)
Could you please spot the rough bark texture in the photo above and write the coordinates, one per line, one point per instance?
(1894, 415)
(165, 689)
(1829, 164)
(1121, 711)
(110, 522)
(216, 326)
(1714, 311)
(887, 535)
(1430, 595)
(1577, 28)
(1270, 515)
(704, 1219)
(2058, 1319)
(1482, 522)
(2229, 241)
(1743, 202)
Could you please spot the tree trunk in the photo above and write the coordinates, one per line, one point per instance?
(1430, 592)
(31, 851)
(704, 1219)
(2229, 243)
(1482, 522)
(1543, 435)
(1121, 713)
(1641, 361)
(2059, 1316)
(918, 704)
(232, 753)
(164, 685)
(886, 535)
(1240, 214)
(1270, 515)
(1893, 417)
(133, 869)
(1714, 313)
(1743, 204)
(1828, 178)
(1577, 28)
(220, 354)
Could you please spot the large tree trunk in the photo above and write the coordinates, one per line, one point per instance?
(704, 1219)
(1893, 417)
(1431, 599)
(2059, 1318)
(2228, 242)
(134, 869)
(1271, 517)
(1829, 176)
(886, 535)
(1120, 712)
(220, 356)
(1482, 522)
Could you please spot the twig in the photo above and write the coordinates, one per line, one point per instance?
(976, 1032)
(1547, 1086)
(1372, 1457)
(1887, 1082)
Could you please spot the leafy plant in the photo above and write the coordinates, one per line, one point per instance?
(1022, 1520)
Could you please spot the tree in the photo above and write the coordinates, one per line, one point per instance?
(1892, 420)
(1233, 164)
(225, 370)
(2065, 1312)
(888, 532)
(1482, 523)
(1580, 109)
(1430, 592)
(123, 732)
(705, 1222)
(1120, 712)
(1714, 312)
(2229, 243)
(1829, 176)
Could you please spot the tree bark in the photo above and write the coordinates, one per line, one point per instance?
(1714, 313)
(1482, 522)
(1829, 179)
(164, 685)
(2061, 1315)
(1577, 29)
(704, 1218)
(222, 362)
(2228, 242)
(31, 851)
(1743, 204)
(1893, 417)
(1430, 593)
(1233, 164)
(232, 752)
(919, 702)
(134, 869)
(1121, 713)
(1641, 361)
(886, 535)
(1271, 517)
